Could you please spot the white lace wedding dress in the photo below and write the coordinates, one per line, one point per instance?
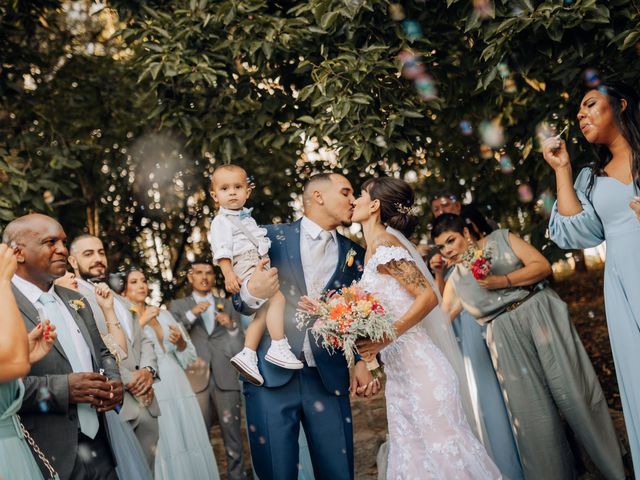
(429, 437)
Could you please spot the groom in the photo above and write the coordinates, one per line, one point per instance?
(309, 257)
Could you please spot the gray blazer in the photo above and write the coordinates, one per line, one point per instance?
(140, 352)
(46, 411)
(215, 349)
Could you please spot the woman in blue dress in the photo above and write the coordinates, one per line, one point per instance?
(491, 413)
(603, 205)
(184, 449)
(18, 350)
(543, 368)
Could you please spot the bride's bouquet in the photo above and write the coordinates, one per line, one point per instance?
(345, 316)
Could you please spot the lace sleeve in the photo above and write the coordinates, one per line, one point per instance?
(385, 254)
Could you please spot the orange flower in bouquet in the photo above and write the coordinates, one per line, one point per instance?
(345, 316)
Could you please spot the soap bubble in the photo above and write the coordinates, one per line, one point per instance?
(506, 166)
(412, 68)
(503, 70)
(466, 128)
(491, 133)
(525, 195)
(412, 29)
(544, 205)
(426, 87)
(591, 78)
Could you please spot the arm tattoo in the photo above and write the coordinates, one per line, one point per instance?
(406, 272)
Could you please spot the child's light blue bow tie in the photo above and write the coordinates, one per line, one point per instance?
(246, 213)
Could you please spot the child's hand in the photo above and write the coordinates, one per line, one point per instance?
(232, 282)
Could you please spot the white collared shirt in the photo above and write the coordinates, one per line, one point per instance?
(32, 293)
(228, 241)
(309, 232)
(212, 307)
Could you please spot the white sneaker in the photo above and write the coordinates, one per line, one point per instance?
(247, 364)
(280, 354)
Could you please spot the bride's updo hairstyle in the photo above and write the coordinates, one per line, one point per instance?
(449, 222)
(396, 203)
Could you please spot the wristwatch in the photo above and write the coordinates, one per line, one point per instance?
(152, 370)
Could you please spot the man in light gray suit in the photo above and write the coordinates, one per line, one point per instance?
(138, 370)
(68, 391)
(215, 331)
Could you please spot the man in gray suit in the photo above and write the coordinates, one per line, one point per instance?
(214, 327)
(68, 391)
(138, 370)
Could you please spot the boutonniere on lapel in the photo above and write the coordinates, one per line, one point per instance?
(76, 304)
(351, 257)
(133, 310)
(219, 307)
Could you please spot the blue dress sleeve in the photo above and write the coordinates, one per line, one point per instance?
(583, 230)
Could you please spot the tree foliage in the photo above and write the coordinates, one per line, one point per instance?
(117, 133)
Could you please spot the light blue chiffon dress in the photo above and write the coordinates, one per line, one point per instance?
(607, 216)
(184, 449)
(487, 398)
(16, 460)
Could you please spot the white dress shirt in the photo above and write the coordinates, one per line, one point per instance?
(211, 310)
(228, 241)
(317, 272)
(32, 293)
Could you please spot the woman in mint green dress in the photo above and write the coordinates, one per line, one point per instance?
(17, 351)
(184, 449)
(603, 204)
(541, 364)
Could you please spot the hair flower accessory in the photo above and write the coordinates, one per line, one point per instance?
(405, 209)
(76, 304)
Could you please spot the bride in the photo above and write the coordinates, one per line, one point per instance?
(429, 436)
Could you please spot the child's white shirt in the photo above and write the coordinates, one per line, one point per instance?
(228, 241)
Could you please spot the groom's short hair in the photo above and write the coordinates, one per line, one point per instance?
(313, 181)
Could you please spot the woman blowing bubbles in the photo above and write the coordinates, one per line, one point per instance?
(603, 204)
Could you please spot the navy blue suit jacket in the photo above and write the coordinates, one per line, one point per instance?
(285, 256)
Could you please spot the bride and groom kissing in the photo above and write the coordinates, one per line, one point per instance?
(428, 428)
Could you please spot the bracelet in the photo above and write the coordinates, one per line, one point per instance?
(115, 324)
(508, 281)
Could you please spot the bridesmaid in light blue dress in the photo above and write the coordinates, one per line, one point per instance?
(184, 449)
(601, 206)
(486, 394)
(16, 355)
